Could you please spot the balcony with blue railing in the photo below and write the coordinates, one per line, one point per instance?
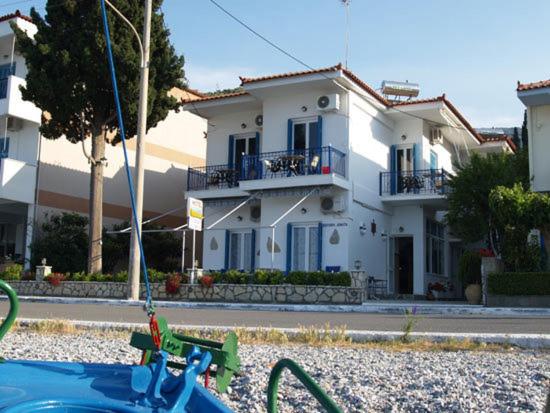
(419, 184)
(314, 166)
(212, 177)
(293, 163)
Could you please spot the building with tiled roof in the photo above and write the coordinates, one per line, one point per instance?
(536, 97)
(322, 172)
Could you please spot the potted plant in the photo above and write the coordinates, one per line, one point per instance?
(469, 273)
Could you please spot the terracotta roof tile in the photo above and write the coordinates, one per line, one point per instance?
(535, 85)
(420, 101)
(17, 13)
(246, 80)
(366, 87)
(498, 137)
(216, 97)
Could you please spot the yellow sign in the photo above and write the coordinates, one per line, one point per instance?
(194, 214)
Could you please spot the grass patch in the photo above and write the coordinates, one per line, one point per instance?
(327, 336)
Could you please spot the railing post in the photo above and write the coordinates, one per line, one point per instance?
(330, 158)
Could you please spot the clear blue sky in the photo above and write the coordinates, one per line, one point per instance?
(473, 50)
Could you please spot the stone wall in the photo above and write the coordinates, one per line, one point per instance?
(228, 293)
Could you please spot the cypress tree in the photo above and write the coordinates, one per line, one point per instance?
(68, 78)
(524, 132)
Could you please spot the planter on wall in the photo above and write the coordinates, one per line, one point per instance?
(473, 294)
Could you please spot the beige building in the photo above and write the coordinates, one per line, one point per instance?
(39, 176)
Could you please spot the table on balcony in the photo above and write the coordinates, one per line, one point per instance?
(292, 163)
(228, 176)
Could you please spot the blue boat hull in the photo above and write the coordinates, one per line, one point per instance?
(55, 387)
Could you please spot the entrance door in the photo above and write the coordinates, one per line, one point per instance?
(404, 265)
(244, 145)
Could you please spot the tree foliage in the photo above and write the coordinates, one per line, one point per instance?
(515, 212)
(469, 213)
(63, 241)
(68, 73)
(524, 132)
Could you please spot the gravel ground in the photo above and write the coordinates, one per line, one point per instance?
(359, 380)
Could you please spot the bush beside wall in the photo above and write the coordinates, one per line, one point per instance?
(519, 283)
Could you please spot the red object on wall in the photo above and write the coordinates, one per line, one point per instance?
(325, 170)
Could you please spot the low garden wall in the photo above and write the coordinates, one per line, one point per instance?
(229, 293)
(518, 289)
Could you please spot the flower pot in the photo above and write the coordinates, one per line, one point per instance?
(473, 293)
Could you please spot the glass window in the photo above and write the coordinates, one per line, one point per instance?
(313, 248)
(313, 135)
(435, 247)
(305, 248)
(299, 249)
(246, 145)
(235, 251)
(299, 136)
(247, 253)
(4, 147)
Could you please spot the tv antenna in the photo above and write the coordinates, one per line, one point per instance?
(346, 4)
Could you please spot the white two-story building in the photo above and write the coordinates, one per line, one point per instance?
(367, 179)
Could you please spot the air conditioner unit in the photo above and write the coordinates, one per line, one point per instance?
(259, 120)
(255, 213)
(436, 136)
(332, 205)
(14, 124)
(328, 102)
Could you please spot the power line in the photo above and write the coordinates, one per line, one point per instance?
(298, 60)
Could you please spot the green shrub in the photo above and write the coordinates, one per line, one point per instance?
(469, 268)
(236, 277)
(217, 277)
(12, 272)
(297, 278)
(63, 241)
(155, 276)
(121, 277)
(265, 276)
(519, 283)
(341, 279)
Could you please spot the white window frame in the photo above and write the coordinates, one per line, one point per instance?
(243, 265)
(404, 148)
(304, 121)
(307, 227)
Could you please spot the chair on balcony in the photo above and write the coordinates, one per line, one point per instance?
(314, 165)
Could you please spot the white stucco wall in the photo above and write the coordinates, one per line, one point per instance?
(539, 147)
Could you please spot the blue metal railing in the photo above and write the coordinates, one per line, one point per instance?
(212, 177)
(424, 181)
(300, 162)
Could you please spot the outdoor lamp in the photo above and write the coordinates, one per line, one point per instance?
(373, 227)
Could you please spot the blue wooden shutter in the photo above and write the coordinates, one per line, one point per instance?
(257, 143)
(288, 247)
(319, 137)
(227, 240)
(320, 247)
(289, 135)
(257, 164)
(433, 160)
(230, 155)
(253, 248)
(393, 169)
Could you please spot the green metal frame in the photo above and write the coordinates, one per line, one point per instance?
(14, 309)
(224, 355)
(307, 381)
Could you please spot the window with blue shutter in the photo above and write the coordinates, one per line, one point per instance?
(289, 145)
(226, 258)
(253, 252)
(320, 247)
(230, 151)
(288, 247)
(393, 169)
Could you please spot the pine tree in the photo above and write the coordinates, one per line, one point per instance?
(68, 78)
(515, 138)
(524, 132)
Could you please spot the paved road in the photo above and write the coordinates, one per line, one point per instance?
(240, 318)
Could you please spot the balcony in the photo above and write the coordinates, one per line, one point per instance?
(12, 103)
(316, 166)
(17, 180)
(426, 186)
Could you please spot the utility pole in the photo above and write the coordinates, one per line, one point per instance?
(134, 264)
